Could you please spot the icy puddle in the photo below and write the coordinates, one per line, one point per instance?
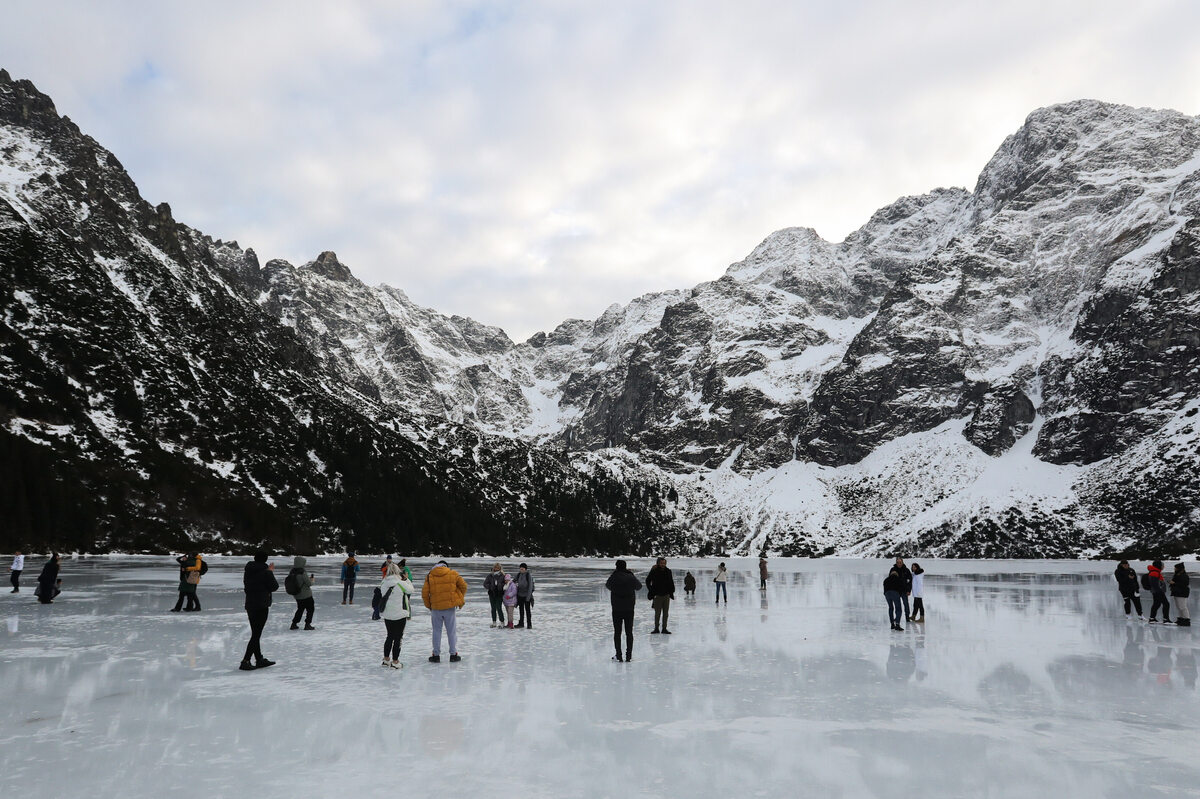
(1025, 681)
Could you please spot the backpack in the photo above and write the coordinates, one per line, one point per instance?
(203, 567)
(379, 601)
(1147, 582)
(291, 583)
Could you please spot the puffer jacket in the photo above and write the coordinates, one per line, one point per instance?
(1180, 584)
(443, 589)
(510, 594)
(1157, 586)
(1127, 580)
(398, 605)
(303, 578)
(258, 582)
(524, 581)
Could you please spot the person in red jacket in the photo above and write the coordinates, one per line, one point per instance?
(1158, 590)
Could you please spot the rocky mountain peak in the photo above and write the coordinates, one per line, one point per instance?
(327, 265)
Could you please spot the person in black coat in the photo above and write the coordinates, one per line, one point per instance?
(1127, 584)
(906, 587)
(48, 580)
(893, 584)
(1180, 590)
(689, 584)
(660, 586)
(259, 583)
(623, 586)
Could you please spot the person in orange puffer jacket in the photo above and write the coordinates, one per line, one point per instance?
(443, 593)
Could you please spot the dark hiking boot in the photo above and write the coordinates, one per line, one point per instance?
(262, 664)
(246, 666)
(176, 610)
(520, 625)
(666, 631)
(309, 627)
(455, 658)
(294, 626)
(435, 658)
(654, 631)
(617, 658)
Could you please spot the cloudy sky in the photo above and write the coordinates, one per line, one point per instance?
(525, 162)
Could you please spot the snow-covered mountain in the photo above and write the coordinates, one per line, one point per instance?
(1008, 371)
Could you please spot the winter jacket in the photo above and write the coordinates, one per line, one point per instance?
(1127, 581)
(918, 585)
(762, 569)
(660, 582)
(349, 569)
(258, 582)
(443, 589)
(524, 581)
(398, 604)
(689, 582)
(1179, 584)
(906, 578)
(893, 582)
(187, 565)
(494, 583)
(510, 594)
(623, 587)
(722, 576)
(303, 578)
(18, 563)
(1157, 586)
(48, 577)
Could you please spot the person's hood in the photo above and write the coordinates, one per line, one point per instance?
(299, 562)
(439, 570)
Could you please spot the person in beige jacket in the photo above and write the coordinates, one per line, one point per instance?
(444, 592)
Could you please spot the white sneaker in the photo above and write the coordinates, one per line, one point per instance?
(386, 662)
(395, 664)
(493, 624)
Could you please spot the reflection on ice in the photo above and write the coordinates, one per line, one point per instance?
(1025, 680)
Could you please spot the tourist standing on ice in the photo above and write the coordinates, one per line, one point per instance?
(48, 580)
(509, 598)
(1152, 581)
(349, 575)
(689, 584)
(1179, 595)
(443, 593)
(191, 567)
(762, 573)
(525, 597)
(893, 584)
(259, 583)
(301, 582)
(494, 585)
(722, 580)
(396, 612)
(623, 586)
(906, 589)
(18, 566)
(660, 588)
(1127, 584)
(918, 592)
(383, 569)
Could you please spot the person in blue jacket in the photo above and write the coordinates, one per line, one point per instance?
(349, 575)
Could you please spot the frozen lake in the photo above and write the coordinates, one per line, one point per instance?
(1027, 680)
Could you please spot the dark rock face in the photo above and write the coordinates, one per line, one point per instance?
(1013, 371)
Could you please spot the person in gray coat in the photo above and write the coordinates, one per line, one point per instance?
(304, 597)
(524, 583)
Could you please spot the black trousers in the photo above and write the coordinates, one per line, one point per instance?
(395, 632)
(1160, 600)
(193, 601)
(918, 607)
(303, 605)
(258, 620)
(623, 618)
(15, 579)
(526, 609)
(348, 590)
(1136, 601)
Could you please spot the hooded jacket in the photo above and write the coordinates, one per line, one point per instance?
(303, 578)
(443, 589)
(1180, 584)
(398, 604)
(1157, 586)
(510, 592)
(524, 581)
(660, 582)
(894, 581)
(1127, 581)
(258, 582)
(623, 586)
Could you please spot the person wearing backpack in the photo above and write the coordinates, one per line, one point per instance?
(191, 567)
(298, 583)
(349, 575)
(494, 585)
(509, 598)
(1179, 595)
(525, 597)
(1152, 581)
(396, 609)
(1127, 584)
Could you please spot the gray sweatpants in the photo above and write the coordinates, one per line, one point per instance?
(1181, 610)
(447, 618)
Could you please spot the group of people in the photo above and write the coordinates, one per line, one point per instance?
(49, 584)
(506, 592)
(900, 584)
(1153, 581)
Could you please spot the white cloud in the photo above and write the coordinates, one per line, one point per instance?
(530, 161)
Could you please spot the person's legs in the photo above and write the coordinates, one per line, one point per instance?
(628, 622)
(299, 612)
(195, 599)
(15, 579)
(1127, 604)
(497, 608)
(438, 619)
(452, 630)
(351, 583)
(310, 607)
(528, 611)
(508, 609)
(893, 602)
(1137, 604)
(617, 621)
(179, 602)
(389, 636)
(258, 620)
(666, 612)
(918, 608)
(904, 599)
(1181, 609)
(657, 603)
(521, 603)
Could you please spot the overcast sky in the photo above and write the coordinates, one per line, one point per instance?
(526, 162)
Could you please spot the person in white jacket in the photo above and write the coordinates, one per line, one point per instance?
(396, 612)
(918, 592)
(18, 566)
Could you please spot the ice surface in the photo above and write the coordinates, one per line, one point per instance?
(1027, 680)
